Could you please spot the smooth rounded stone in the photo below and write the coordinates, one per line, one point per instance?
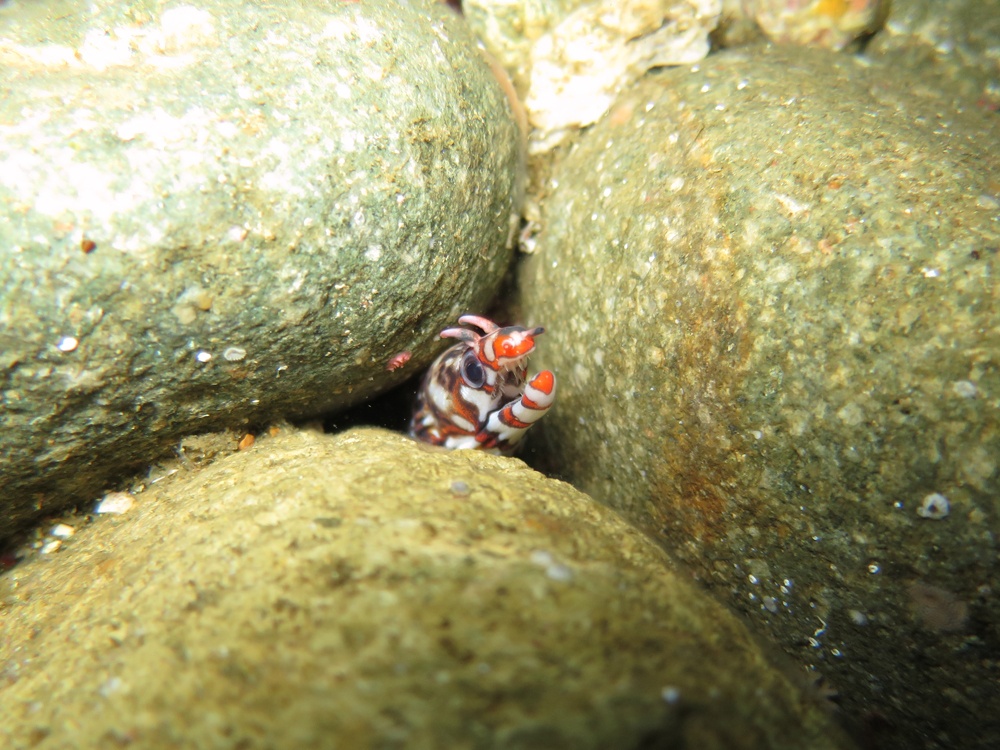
(364, 590)
(770, 296)
(218, 213)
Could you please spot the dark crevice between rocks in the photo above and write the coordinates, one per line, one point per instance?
(390, 411)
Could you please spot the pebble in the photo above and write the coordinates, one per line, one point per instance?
(115, 503)
(62, 531)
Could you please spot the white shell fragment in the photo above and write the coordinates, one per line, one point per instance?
(554, 570)
(116, 503)
(62, 531)
(965, 388)
(579, 66)
(50, 546)
(935, 506)
(68, 344)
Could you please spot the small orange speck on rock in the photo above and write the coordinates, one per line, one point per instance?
(274, 431)
(832, 8)
(88, 245)
(246, 441)
(622, 114)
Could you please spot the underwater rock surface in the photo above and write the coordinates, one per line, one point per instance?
(947, 50)
(365, 590)
(218, 214)
(770, 290)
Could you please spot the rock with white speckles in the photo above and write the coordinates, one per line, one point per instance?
(426, 599)
(771, 298)
(216, 213)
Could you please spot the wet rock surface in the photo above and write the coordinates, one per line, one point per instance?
(219, 214)
(947, 50)
(364, 590)
(770, 293)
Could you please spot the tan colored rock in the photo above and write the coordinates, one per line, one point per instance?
(362, 590)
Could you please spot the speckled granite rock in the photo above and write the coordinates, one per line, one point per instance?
(363, 590)
(218, 213)
(770, 293)
(949, 49)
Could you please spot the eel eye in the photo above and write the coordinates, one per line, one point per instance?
(472, 371)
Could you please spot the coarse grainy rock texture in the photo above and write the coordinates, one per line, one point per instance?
(945, 49)
(364, 590)
(569, 58)
(771, 298)
(217, 213)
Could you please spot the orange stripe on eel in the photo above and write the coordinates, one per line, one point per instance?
(471, 392)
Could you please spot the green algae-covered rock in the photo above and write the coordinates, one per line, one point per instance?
(364, 590)
(217, 213)
(770, 294)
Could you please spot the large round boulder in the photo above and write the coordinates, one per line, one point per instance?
(365, 590)
(770, 293)
(217, 213)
